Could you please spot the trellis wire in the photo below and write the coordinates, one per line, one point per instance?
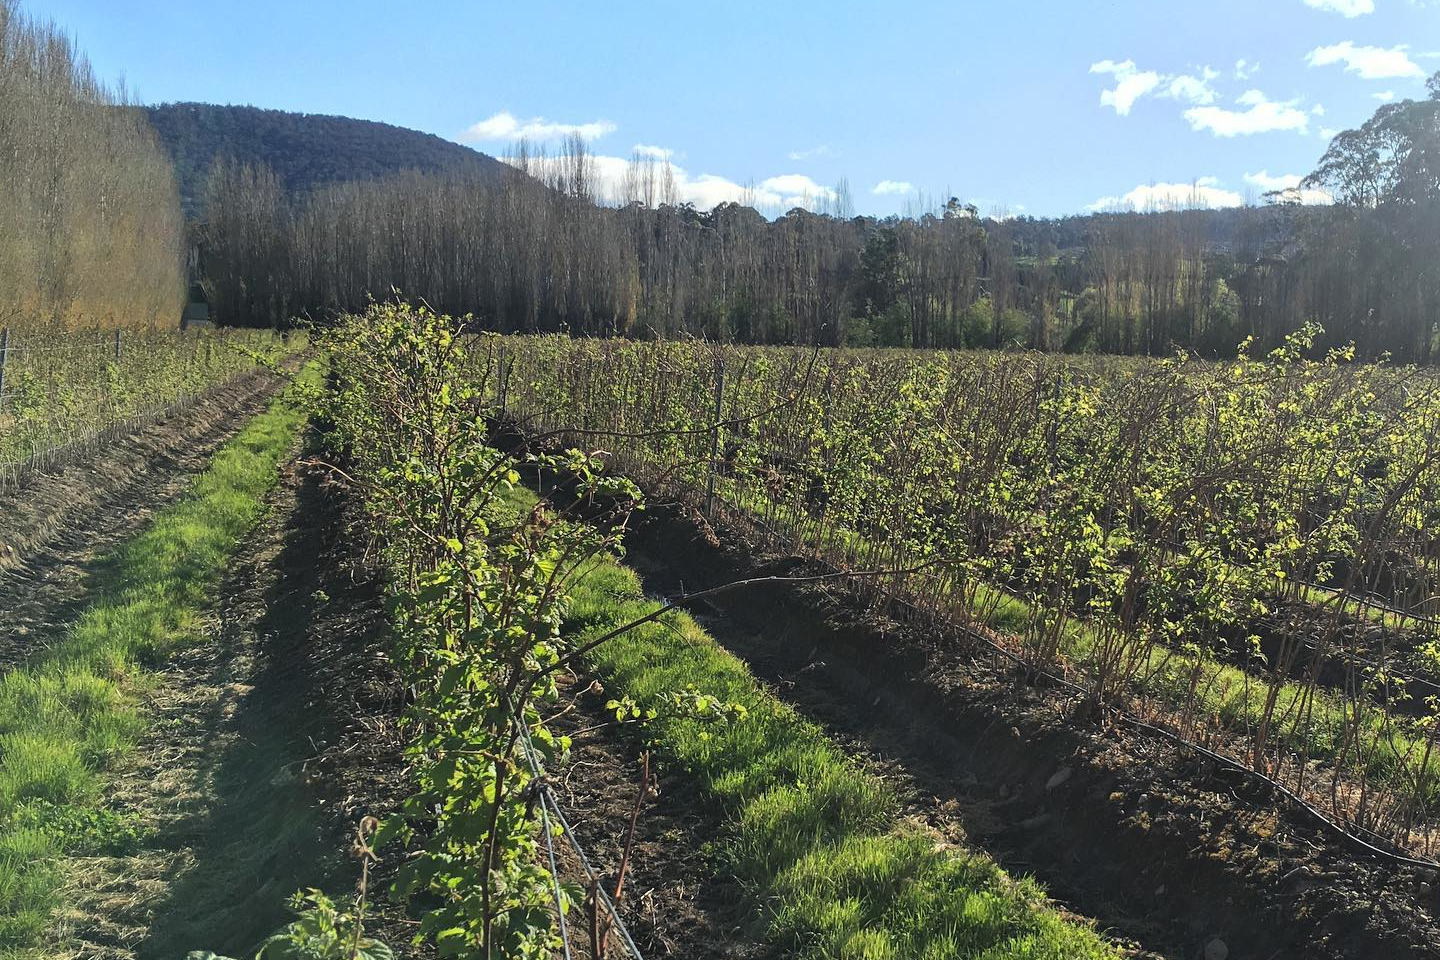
(4, 357)
(102, 344)
(15, 472)
(555, 876)
(547, 799)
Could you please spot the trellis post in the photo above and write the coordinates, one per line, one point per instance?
(715, 435)
(502, 377)
(4, 355)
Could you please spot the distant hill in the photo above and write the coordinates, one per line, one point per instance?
(306, 150)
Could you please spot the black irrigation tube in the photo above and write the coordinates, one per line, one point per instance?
(1294, 798)
(1360, 660)
(1372, 601)
(1300, 803)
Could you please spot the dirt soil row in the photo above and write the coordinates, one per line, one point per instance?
(57, 528)
(678, 900)
(278, 733)
(1158, 847)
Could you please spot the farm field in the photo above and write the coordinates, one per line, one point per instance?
(1281, 674)
(766, 728)
(105, 552)
(1198, 544)
(931, 482)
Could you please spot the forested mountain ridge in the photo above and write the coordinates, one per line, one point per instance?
(304, 150)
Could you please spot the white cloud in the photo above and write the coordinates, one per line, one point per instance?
(1190, 88)
(709, 190)
(656, 153)
(1203, 193)
(823, 150)
(796, 190)
(1262, 115)
(1346, 8)
(1244, 69)
(1369, 63)
(1328, 133)
(611, 183)
(1130, 84)
(892, 188)
(506, 126)
(1289, 185)
(1385, 96)
(1282, 181)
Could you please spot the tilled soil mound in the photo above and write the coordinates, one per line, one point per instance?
(57, 528)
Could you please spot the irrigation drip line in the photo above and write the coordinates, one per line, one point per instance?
(1362, 598)
(547, 799)
(1344, 833)
(1290, 795)
(1355, 659)
(1373, 602)
(555, 877)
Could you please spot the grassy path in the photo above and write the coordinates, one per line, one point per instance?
(70, 713)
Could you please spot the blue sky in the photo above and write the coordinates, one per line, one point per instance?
(1041, 107)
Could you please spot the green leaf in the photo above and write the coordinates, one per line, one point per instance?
(374, 950)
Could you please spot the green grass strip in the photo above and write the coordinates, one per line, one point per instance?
(815, 837)
(74, 709)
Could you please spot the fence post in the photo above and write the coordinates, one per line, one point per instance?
(715, 435)
(4, 355)
(502, 378)
(117, 344)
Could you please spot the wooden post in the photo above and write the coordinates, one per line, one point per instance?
(117, 344)
(4, 355)
(715, 435)
(500, 378)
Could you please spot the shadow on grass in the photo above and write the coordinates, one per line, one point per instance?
(266, 833)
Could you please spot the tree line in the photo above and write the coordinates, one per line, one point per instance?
(90, 225)
(542, 254)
